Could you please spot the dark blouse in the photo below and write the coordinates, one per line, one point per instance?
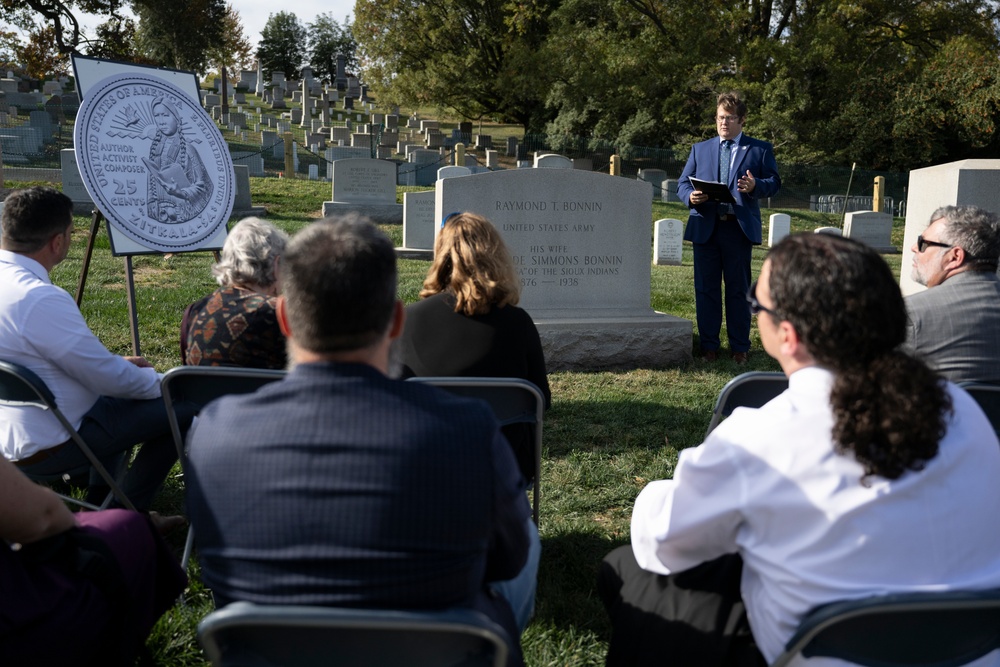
(504, 342)
(233, 326)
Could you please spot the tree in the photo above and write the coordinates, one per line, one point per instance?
(327, 38)
(179, 33)
(41, 57)
(115, 39)
(59, 14)
(233, 50)
(282, 45)
(478, 57)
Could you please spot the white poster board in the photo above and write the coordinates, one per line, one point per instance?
(151, 158)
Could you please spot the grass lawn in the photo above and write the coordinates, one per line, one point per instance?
(605, 436)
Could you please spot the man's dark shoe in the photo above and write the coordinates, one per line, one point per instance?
(740, 358)
(709, 355)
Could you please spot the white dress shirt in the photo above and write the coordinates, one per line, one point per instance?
(768, 485)
(42, 328)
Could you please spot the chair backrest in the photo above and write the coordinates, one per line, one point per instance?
(297, 636)
(988, 398)
(203, 384)
(20, 386)
(514, 401)
(748, 390)
(942, 629)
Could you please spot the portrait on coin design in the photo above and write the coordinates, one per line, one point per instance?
(179, 185)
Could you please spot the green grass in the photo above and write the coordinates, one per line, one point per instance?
(606, 435)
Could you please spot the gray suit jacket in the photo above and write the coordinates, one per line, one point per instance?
(955, 327)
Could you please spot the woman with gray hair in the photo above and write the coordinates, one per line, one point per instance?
(237, 324)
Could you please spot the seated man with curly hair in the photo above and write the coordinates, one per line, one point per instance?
(869, 475)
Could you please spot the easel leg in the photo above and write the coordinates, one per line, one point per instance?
(95, 224)
(132, 314)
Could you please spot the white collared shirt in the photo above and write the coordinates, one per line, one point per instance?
(42, 328)
(768, 484)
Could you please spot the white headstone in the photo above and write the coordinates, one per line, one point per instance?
(552, 161)
(871, 228)
(669, 242)
(418, 220)
(779, 227)
(833, 231)
(313, 172)
(452, 171)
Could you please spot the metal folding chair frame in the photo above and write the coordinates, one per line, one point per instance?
(202, 385)
(306, 636)
(936, 629)
(20, 386)
(507, 397)
(750, 390)
(988, 398)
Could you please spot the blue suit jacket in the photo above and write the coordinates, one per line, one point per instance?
(703, 163)
(339, 486)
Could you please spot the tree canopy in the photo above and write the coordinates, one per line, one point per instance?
(282, 45)
(327, 39)
(891, 84)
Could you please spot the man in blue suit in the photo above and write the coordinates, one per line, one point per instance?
(723, 233)
(341, 486)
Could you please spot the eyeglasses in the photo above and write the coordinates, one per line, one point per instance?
(730, 119)
(756, 308)
(922, 244)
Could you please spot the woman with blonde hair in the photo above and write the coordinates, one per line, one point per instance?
(467, 322)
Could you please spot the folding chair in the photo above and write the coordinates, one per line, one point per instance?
(20, 387)
(201, 385)
(943, 629)
(747, 390)
(514, 401)
(295, 636)
(988, 398)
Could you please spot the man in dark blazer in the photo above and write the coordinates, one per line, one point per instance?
(724, 234)
(341, 486)
(955, 324)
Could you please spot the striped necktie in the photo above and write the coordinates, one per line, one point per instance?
(725, 158)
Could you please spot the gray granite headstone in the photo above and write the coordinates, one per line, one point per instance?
(428, 162)
(242, 204)
(418, 220)
(656, 178)
(871, 228)
(72, 185)
(962, 183)
(668, 235)
(581, 244)
(668, 190)
(367, 187)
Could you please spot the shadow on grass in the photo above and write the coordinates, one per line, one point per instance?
(611, 426)
(567, 582)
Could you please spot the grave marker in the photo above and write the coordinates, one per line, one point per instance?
(669, 235)
(581, 244)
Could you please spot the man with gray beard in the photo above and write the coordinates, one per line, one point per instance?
(955, 324)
